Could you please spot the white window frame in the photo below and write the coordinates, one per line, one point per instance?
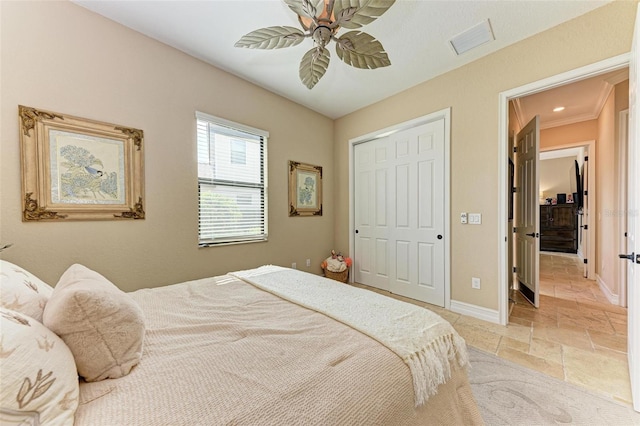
(264, 135)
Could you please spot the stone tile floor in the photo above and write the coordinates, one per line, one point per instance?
(575, 335)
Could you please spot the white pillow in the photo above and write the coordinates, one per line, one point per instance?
(38, 374)
(22, 291)
(102, 325)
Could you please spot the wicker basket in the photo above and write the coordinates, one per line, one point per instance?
(338, 276)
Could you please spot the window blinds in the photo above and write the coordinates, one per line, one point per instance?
(231, 181)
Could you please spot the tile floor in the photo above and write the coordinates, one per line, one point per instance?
(576, 335)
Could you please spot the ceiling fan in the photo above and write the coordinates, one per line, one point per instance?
(321, 20)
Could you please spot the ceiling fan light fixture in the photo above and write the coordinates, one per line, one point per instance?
(324, 17)
(321, 20)
(475, 36)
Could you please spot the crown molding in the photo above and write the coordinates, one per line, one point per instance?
(519, 112)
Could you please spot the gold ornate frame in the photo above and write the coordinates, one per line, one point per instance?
(79, 169)
(305, 189)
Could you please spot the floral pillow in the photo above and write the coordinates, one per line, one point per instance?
(22, 291)
(38, 374)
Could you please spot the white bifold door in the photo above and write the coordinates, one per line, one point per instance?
(399, 213)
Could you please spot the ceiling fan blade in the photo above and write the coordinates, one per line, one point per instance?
(367, 11)
(307, 8)
(361, 50)
(271, 38)
(313, 66)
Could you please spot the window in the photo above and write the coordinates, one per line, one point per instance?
(232, 182)
(238, 151)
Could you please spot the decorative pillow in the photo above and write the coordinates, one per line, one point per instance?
(102, 325)
(38, 374)
(22, 291)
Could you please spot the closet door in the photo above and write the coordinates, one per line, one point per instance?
(371, 257)
(399, 213)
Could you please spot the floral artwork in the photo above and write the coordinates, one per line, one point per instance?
(80, 176)
(76, 168)
(305, 189)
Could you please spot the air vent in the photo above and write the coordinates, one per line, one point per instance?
(472, 38)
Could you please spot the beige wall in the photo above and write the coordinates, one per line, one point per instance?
(557, 176)
(606, 199)
(60, 57)
(472, 91)
(569, 134)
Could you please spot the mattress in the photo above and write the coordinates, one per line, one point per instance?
(219, 351)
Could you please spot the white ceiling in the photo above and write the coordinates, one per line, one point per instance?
(415, 34)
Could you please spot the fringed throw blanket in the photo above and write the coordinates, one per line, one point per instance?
(422, 339)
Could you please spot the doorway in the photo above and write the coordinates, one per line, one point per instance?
(571, 168)
(612, 64)
(560, 313)
(593, 113)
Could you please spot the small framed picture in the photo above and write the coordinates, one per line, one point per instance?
(305, 189)
(569, 198)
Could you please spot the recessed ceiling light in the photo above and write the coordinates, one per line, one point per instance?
(558, 109)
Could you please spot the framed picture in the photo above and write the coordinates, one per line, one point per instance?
(305, 189)
(79, 169)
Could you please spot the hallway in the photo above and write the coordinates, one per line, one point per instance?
(575, 328)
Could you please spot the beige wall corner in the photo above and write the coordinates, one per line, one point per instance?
(61, 57)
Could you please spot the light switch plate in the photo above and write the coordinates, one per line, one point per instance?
(475, 218)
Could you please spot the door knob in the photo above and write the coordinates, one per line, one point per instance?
(533, 234)
(632, 257)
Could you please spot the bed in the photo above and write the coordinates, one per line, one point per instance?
(230, 350)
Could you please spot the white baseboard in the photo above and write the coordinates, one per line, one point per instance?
(614, 299)
(475, 311)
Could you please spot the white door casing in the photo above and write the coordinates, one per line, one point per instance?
(589, 235)
(400, 208)
(623, 160)
(633, 227)
(527, 235)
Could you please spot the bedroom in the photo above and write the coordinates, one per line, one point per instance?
(60, 57)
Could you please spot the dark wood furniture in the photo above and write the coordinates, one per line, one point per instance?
(559, 228)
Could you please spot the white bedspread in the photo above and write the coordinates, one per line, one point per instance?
(423, 340)
(220, 351)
